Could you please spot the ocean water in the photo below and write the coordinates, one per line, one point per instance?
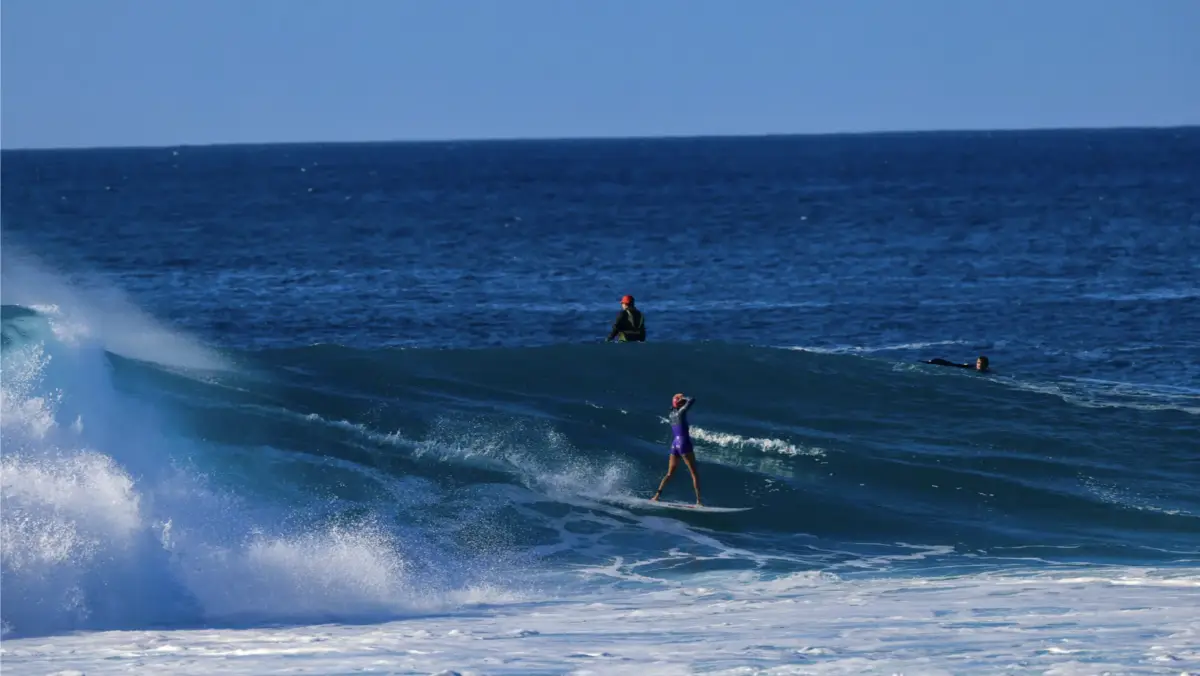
(345, 408)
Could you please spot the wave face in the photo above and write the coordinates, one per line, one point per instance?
(120, 512)
(154, 488)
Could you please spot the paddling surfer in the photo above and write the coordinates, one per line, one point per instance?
(681, 445)
(981, 364)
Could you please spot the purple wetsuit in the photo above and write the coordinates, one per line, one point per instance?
(681, 443)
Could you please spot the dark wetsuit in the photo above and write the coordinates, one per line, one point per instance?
(681, 441)
(630, 326)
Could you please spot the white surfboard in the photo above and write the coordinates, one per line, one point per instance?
(647, 503)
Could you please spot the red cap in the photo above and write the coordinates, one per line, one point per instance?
(676, 400)
(627, 299)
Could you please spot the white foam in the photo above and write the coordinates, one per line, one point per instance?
(91, 310)
(764, 444)
(1126, 497)
(1107, 394)
(104, 524)
(1087, 621)
(870, 349)
(539, 456)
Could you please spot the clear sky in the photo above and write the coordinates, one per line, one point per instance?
(165, 72)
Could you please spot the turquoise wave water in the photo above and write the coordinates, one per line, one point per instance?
(377, 473)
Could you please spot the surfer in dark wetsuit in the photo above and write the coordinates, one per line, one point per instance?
(630, 325)
(681, 445)
(981, 364)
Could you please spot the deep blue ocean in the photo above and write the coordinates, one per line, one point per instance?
(383, 366)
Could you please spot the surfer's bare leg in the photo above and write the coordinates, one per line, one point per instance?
(690, 460)
(672, 463)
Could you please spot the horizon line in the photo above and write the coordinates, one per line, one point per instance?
(613, 137)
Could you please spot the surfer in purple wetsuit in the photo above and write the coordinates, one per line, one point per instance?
(681, 444)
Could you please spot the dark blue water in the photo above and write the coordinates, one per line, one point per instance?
(500, 430)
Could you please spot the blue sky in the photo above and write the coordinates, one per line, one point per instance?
(164, 72)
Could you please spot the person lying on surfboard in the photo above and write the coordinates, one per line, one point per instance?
(681, 445)
(981, 364)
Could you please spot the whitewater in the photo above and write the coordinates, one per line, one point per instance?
(201, 472)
